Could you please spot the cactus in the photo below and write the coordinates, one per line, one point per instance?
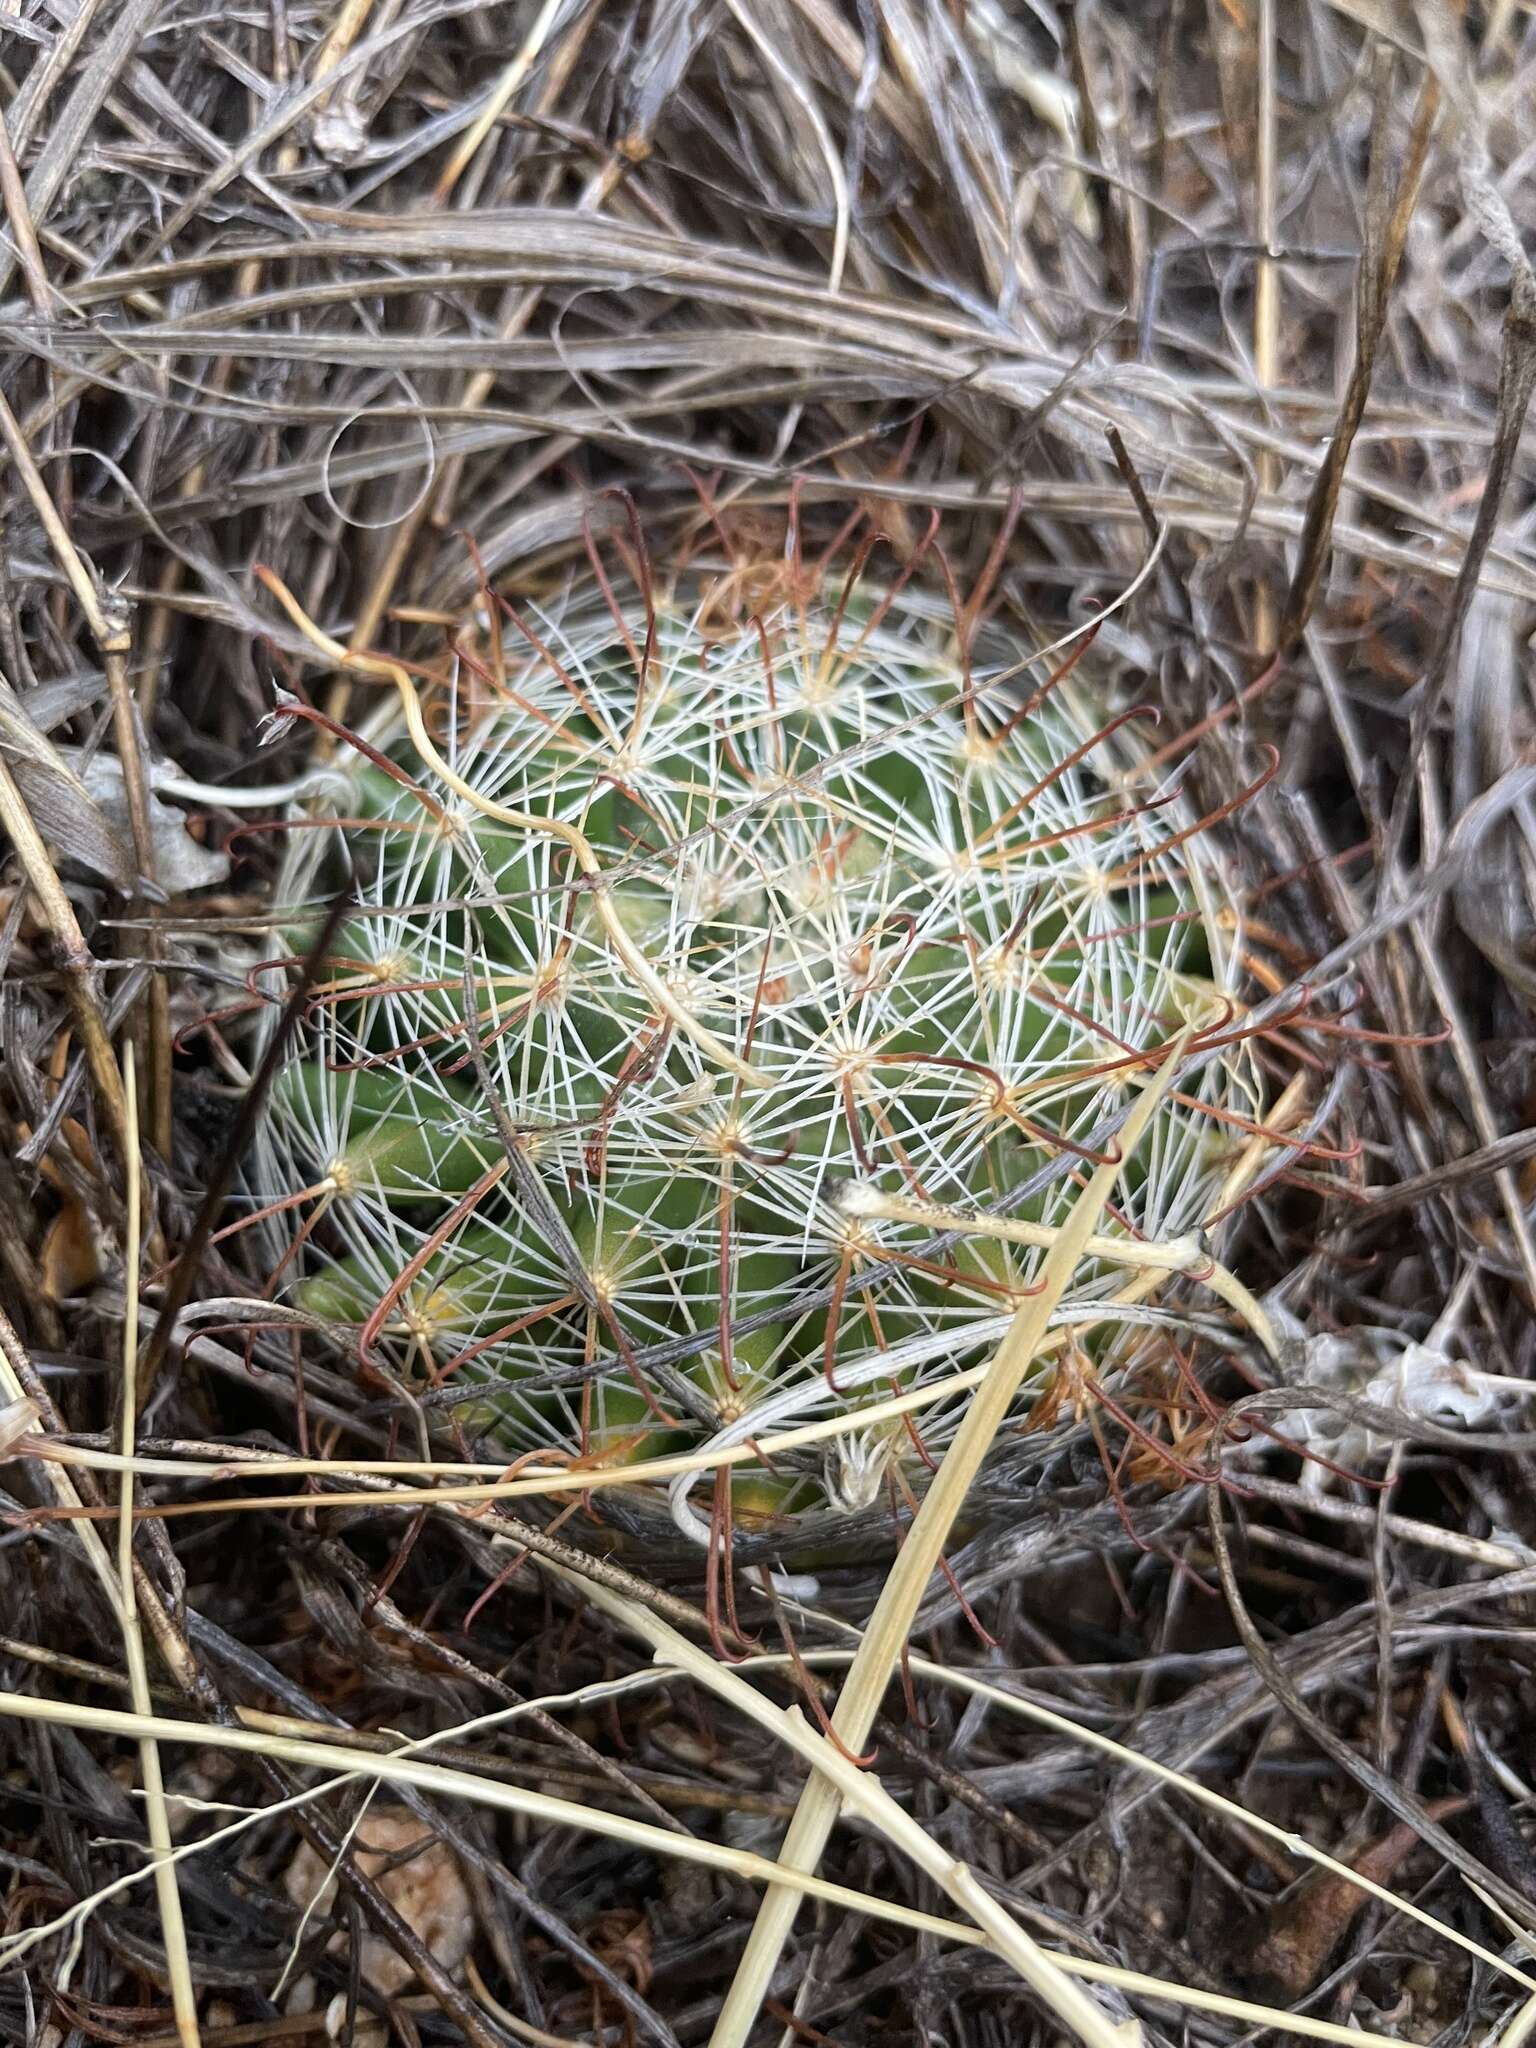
(820, 904)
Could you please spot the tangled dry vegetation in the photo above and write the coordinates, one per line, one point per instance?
(1186, 349)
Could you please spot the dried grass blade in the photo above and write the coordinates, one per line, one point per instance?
(903, 1591)
(863, 1793)
(157, 1820)
(1384, 239)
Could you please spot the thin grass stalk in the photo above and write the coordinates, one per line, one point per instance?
(398, 1767)
(73, 954)
(1216, 1802)
(891, 1623)
(861, 1792)
(954, 1676)
(110, 632)
(565, 1479)
(1183, 1255)
(1266, 288)
(157, 1821)
(1478, 1550)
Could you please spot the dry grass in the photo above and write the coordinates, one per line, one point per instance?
(1218, 315)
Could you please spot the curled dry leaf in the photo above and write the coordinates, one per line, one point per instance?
(69, 1261)
(427, 1890)
(71, 822)
(74, 1253)
(1284, 1957)
(622, 1938)
(1381, 1368)
(181, 862)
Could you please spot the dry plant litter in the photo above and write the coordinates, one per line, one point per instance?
(1135, 1549)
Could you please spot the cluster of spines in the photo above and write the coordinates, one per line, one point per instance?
(941, 931)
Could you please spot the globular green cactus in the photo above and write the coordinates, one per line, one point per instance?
(741, 902)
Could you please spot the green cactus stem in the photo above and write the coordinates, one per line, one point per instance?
(738, 909)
